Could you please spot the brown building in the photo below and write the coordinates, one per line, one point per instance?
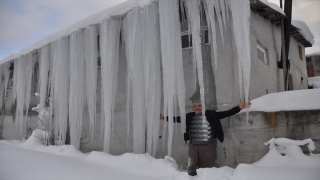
(313, 64)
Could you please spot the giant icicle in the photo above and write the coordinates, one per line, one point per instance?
(77, 89)
(151, 58)
(60, 91)
(4, 79)
(194, 20)
(110, 39)
(135, 77)
(241, 28)
(19, 91)
(29, 71)
(43, 74)
(173, 79)
(91, 57)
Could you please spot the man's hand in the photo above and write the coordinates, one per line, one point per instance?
(244, 105)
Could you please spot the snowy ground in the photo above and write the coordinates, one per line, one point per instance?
(32, 160)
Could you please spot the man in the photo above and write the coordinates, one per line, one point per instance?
(202, 134)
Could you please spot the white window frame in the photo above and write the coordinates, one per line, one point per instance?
(264, 51)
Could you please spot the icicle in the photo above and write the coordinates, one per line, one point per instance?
(4, 79)
(132, 33)
(223, 11)
(91, 57)
(110, 39)
(241, 28)
(20, 87)
(43, 74)
(173, 81)
(210, 14)
(77, 89)
(29, 71)
(194, 20)
(61, 87)
(151, 58)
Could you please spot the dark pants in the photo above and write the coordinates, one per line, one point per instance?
(200, 156)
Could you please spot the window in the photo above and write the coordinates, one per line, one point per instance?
(262, 53)
(185, 37)
(300, 52)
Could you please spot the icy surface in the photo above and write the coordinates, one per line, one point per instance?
(171, 51)
(297, 100)
(314, 81)
(304, 30)
(29, 72)
(77, 87)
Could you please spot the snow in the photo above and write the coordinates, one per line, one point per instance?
(308, 99)
(32, 160)
(304, 30)
(273, 6)
(314, 81)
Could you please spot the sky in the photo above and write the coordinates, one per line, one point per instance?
(24, 22)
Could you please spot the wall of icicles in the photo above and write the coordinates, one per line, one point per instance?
(150, 39)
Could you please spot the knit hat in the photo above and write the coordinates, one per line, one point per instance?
(195, 98)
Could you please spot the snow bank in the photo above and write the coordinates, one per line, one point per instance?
(314, 82)
(285, 160)
(287, 153)
(35, 142)
(308, 99)
(303, 30)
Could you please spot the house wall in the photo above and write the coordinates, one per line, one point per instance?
(298, 67)
(265, 77)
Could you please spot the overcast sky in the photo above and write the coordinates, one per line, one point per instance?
(24, 22)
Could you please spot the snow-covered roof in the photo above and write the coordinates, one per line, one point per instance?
(299, 29)
(308, 99)
(117, 10)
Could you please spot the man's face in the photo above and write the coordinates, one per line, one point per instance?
(197, 108)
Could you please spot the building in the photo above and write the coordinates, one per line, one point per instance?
(132, 57)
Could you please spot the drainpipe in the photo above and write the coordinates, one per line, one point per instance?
(285, 33)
